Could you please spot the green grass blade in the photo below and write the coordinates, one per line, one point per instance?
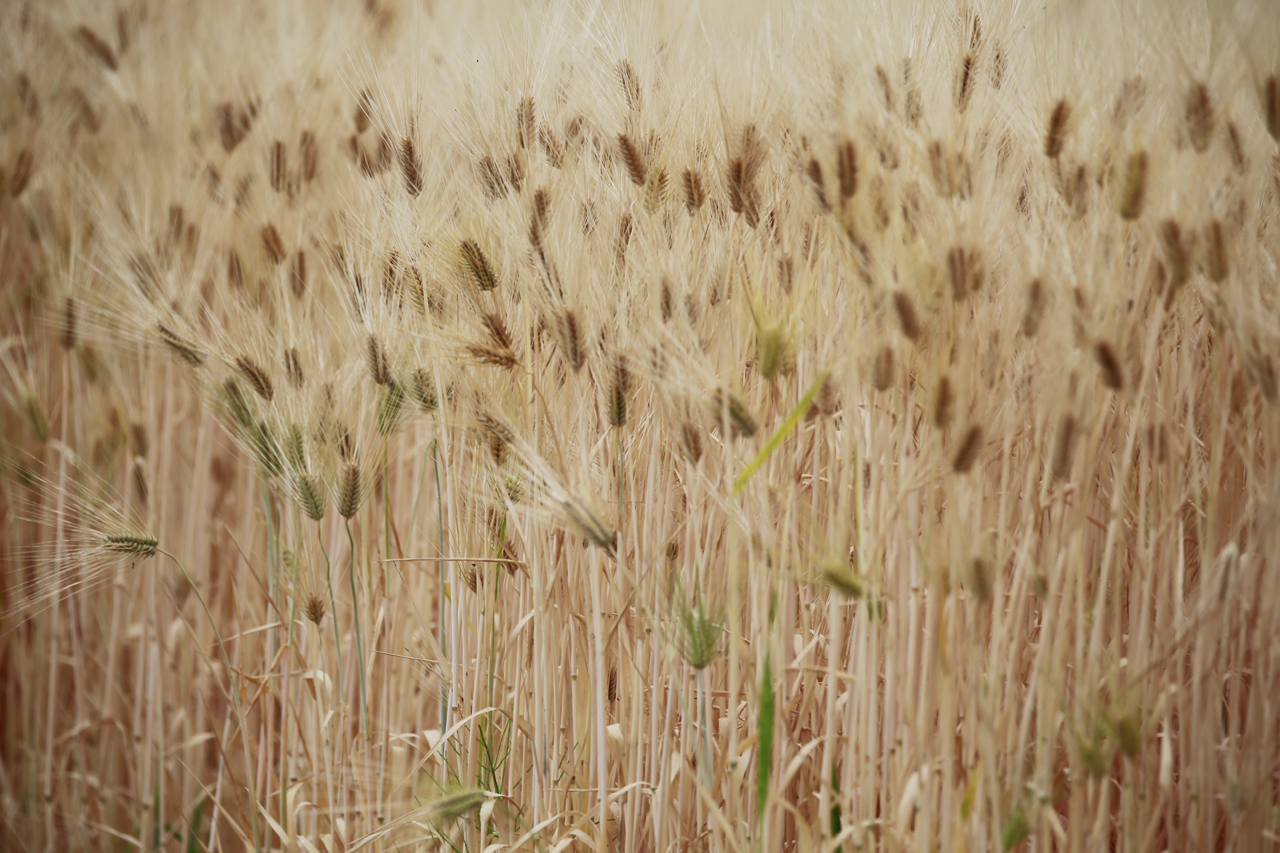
(781, 435)
(764, 762)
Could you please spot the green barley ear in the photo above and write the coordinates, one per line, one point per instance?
(350, 493)
(774, 352)
(740, 419)
(840, 577)
(424, 390)
(473, 258)
(701, 636)
(453, 806)
(311, 497)
(180, 346)
(130, 542)
(393, 408)
(236, 404)
(266, 449)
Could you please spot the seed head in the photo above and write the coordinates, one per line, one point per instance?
(128, 542)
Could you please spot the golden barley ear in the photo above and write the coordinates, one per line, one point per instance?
(694, 193)
(908, 319)
(1271, 106)
(964, 81)
(1175, 252)
(1109, 366)
(633, 159)
(1216, 263)
(273, 245)
(478, 265)
(814, 173)
(309, 152)
(526, 123)
(96, 46)
(298, 274)
(619, 386)
(1134, 194)
(67, 326)
(630, 85)
(883, 370)
(1199, 116)
(1064, 447)
(1035, 309)
(379, 362)
(23, 168)
(411, 167)
(1056, 134)
(257, 377)
(943, 403)
(967, 454)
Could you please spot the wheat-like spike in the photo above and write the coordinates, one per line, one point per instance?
(97, 47)
(364, 111)
(309, 152)
(964, 81)
(273, 244)
(1175, 252)
(1216, 264)
(943, 403)
(883, 371)
(633, 160)
(1035, 309)
(314, 606)
(967, 454)
(129, 542)
(814, 172)
(1056, 134)
(526, 123)
(619, 385)
(497, 329)
(349, 493)
(293, 367)
(847, 168)
(411, 166)
(1199, 116)
(908, 319)
(574, 351)
(181, 347)
(392, 408)
(67, 328)
(630, 85)
(278, 167)
(1271, 106)
(424, 390)
(1135, 186)
(624, 238)
(1109, 366)
(590, 525)
(740, 418)
(694, 194)
(257, 376)
(27, 96)
(478, 265)
(378, 361)
(1064, 447)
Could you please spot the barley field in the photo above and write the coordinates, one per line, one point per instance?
(608, 426)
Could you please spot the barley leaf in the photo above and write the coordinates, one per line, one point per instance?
(780, 436)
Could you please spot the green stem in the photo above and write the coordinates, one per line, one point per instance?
(355, 611)
(444, 637)
(333, 608)
(231, 677)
